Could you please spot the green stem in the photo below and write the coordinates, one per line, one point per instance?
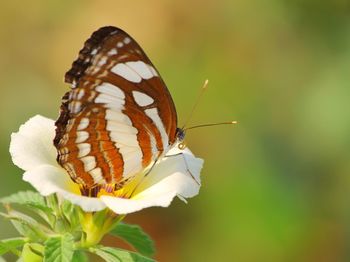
(96, 225)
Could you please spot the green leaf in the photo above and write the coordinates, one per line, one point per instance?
(134, 235)
(26, 225)
(24, 197)
(111, 254)
(59, 249)
(45, 209)
(29, 198)
(11, 245)
(80, 256)
(25, 230)
(71, 213)
(32, 252)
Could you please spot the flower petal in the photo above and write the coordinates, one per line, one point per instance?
(125, 205)
(181, 169)
(168, 178)
(32, 145)
(49, 179)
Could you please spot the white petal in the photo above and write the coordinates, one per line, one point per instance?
(49, 179)
(125, 206)
(180, 169)
(32, 145)
(168, 178)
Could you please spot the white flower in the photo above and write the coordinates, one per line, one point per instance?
(33, 151)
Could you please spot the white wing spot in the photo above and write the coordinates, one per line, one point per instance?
(110, 101)
(80, 94)
(75, 107)
(89, 162)
(114, 126)
(120, 44)
(118, 117)
(154, 72)
(102, 61)
(113, 51)
(142, 99)
(123, 138)
(126, 72)
(127, 40)
(84, 123)
(74, 83)
(114, 32)
(94, 52)
(84, 149)
(82, 136)
(141, 69)
(112, 90)
(132, 160)
(97, 175)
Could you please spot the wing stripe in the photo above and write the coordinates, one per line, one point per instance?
(89, 163)
(152, 113)
(146, 129)
(127, 141)
(68, 157)
(98, 175)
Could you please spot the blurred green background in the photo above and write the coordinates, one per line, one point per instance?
(276, 186)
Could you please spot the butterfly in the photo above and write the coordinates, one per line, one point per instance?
(118, 117)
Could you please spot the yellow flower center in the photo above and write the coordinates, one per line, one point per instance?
(122, 190)
(104, 191)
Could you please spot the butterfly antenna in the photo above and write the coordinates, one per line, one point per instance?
(212, 124)
(201, 92)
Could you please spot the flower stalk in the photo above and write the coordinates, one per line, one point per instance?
(96, 225)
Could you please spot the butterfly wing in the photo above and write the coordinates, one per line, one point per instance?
(118, 116)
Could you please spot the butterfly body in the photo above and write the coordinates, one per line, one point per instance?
(119, 117)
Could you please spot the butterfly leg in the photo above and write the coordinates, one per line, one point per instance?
(153, 165)
(142, 179)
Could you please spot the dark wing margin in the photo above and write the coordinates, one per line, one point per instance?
(86, 54)
(62, 120)
(79, 66)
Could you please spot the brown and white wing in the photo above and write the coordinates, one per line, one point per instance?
(118, 116)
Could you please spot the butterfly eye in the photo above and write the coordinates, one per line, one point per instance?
(180, 134)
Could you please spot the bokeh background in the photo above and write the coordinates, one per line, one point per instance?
(276, 186)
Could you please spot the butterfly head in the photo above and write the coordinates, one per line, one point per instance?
(180, 135)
